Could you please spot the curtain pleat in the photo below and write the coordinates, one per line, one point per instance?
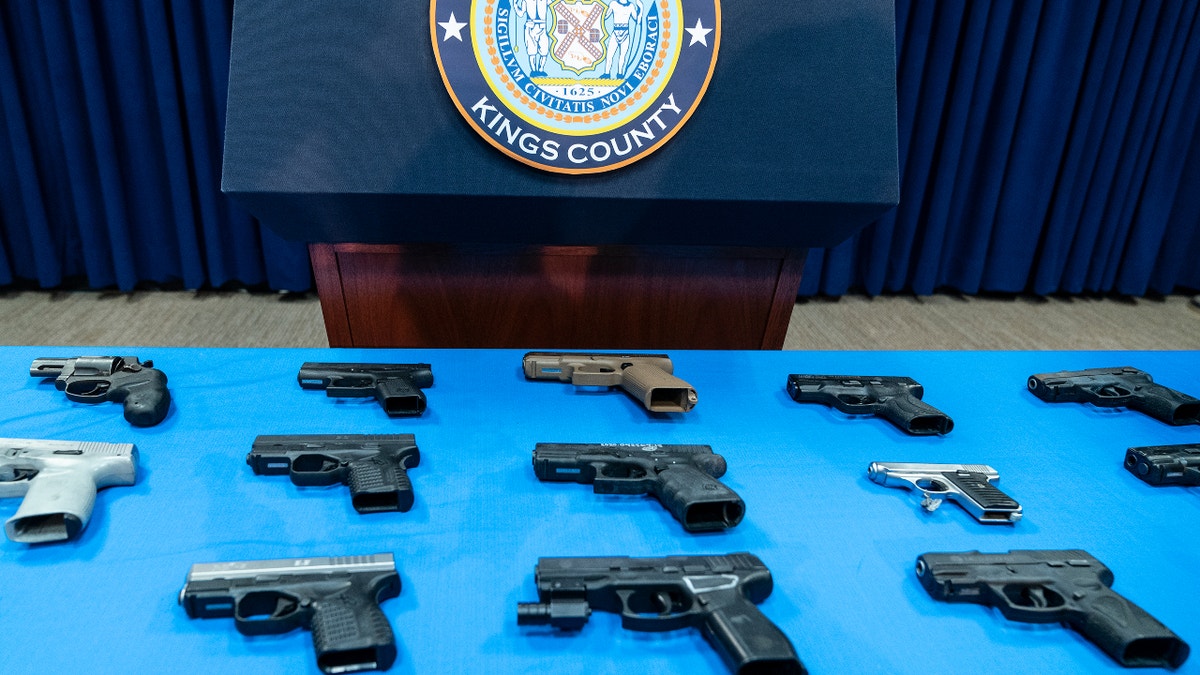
(113, 116)
(32, 249)
(1045, 147)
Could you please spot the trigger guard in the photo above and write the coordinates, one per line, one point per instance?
(285, 617)
(97, 391)
(648, 623)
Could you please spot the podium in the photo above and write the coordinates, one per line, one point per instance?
(341, 133)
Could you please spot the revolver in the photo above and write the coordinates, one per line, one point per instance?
(716, 594)
(682, 477)
(336, 598)
(59, 480)
(94, 379)
(374, 466)
(968, 485)
(1069, 587)
(895, 399)
(646, 377)
(1165, 464)
(397, 386)
(1117, 387)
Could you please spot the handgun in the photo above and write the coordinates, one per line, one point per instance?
(1070, 587)
(895, 399)
(59, 480)
(968, 485)
(374, 466)
(1165, 464)
(397, 386)
(717, 594)
(336, 598)
(95, 379)
(682, 477)
(647, 378)
(1124, 387)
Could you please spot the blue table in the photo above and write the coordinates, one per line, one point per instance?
(841, 548)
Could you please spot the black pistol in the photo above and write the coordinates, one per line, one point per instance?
(716, 593)
(1165, 464)
(1069, 587)
(121, 379)
(397, 386)
(682, 477)
(336, 598)
(895, 399)
(374, 466)
(1123, 387)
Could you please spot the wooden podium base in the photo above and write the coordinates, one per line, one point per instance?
(556, 297)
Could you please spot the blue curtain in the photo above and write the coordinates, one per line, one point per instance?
(1045, 147)
(111, 123)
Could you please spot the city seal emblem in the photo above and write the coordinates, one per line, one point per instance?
(576, 86)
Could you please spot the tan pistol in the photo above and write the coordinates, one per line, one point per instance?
(646, 377)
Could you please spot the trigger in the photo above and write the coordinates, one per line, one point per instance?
(663, 602)
(929, 502)
(1036, 597)
(11, 475)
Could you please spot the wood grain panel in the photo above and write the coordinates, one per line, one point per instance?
(561, 297)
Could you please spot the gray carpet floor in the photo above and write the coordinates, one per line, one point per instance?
(242, 319)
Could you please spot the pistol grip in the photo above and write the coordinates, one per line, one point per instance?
(1167, 405)
(699, 501)
(400, 398)
(146, 402)
(915, 416)
(56, 507)
(350, 634)
(1129, 634)
(379, 485)
(747, 640)
(988, 503)
(658, 390)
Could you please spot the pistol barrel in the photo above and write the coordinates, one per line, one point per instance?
(47, 367)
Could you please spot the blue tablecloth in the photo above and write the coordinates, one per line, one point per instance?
(841, 548)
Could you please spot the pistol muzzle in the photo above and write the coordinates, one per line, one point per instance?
(47, 367)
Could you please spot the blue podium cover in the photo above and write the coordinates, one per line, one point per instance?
(841, 548)
(340, 129)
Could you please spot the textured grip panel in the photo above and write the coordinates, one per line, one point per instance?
(378, 485)
(699, 501)
(351, 634)
(977, 487)
(915, 416)
(1167, 405)
(1129, 634)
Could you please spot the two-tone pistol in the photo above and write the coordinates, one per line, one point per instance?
(336, 598)
(969, 485)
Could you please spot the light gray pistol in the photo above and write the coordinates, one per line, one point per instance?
(58, 480)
